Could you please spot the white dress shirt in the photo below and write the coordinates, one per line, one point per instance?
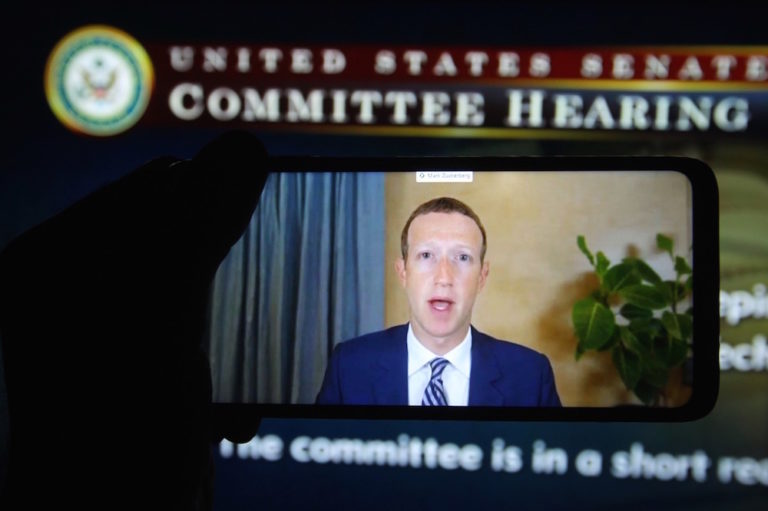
(455, 374)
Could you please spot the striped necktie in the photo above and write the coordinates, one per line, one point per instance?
(434, 395)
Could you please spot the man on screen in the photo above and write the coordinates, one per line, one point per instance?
(438, 358)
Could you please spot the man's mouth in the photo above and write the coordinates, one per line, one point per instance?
(440, 304)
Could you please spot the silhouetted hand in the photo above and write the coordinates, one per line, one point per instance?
(102, 312)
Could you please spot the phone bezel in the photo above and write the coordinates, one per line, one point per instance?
(705, 291)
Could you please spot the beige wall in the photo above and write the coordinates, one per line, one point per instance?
(537, 272)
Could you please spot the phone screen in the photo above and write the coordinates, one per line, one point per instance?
(498, 288)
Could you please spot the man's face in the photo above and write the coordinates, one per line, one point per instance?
(442, 277)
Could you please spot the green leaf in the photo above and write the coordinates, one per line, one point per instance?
(666, 289)
(681, 266)
(632, 343)
(579, 351)
(584, 250)
(641, 328)
(655, 373)
(677, 351)
(665, 243)
(619, 277)
(646, 329)
(679, 326)
(628, 364)
(594, 323)
(685, 321)
(661, 344)
(672, 291)
(672, 325)
(631, 312)
(602, 264)
(689, 284)
(644, 296)
(646, 272)
(612, 341)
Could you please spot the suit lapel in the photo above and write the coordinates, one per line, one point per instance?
(389, 378)
(485, 372)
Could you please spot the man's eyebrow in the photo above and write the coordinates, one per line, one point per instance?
(455, 246)
(467, 246)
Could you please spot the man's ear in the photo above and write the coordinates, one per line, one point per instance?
(483, 275)
(400, 269)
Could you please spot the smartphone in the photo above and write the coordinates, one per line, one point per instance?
(469, 288)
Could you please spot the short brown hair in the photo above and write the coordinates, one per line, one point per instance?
(441, 205)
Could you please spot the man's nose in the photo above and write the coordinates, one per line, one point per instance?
(444, 272)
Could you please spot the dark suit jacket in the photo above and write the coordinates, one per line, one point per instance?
(373, 370)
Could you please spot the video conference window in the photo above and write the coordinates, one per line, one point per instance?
(528, 289)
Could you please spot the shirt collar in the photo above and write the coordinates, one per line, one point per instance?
(419, 355)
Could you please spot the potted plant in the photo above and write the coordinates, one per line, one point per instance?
(637, 315)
